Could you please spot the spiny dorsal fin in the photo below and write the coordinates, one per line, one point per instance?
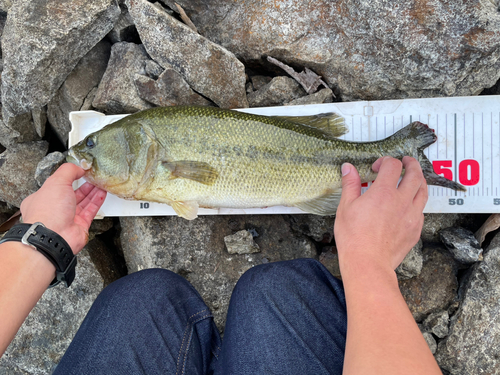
(192, 170)
(331, 124)
(325, 205)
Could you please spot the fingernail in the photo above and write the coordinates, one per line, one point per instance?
(346, 169)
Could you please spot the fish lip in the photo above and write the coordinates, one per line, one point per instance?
(81, 162)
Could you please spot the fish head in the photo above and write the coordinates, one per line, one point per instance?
(104, 157)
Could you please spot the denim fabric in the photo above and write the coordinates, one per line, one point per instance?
(284, 318)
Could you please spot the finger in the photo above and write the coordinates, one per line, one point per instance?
(88, 212)
(388, 173)
(378, 163)
(83, 191)
(421, 197)
(66, 174)
(87, 199)
(413, 177)
(351, 183)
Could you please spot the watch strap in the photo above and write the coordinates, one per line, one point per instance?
(50, 244)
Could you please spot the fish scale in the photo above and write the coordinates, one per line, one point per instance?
(211, 157)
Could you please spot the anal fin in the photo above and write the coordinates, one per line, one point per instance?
(188, 210)
(325, 205)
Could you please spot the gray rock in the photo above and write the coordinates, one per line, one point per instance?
(107, 260)
(259, 81)
(72, 95)
(411, 265)
(17, 171)
(437, 323)
(369, 50)
(49, 328)
(241, 243)
(322, 96)
(330, 259)
(116, 92)
(42, 42)
(208, 68)
(47, 166)
(153, 69)
(462, 244)
(168, 90)
(431, 341)
(196, 250)
(17, 129)
(433, 223)
(319, 228)
(436, 286)
(39, 116)
(279, 91)
(124, 29)
(472, 345)
(5, 5)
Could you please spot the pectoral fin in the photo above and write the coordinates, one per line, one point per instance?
(325, 205)
(188, 210)
(192, 170)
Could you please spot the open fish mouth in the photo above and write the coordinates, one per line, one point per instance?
(81, 162)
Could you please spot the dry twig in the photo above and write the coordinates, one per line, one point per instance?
(309, 80)
(186, 19)
(491, 224)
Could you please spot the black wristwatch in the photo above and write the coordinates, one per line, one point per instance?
(51, 245)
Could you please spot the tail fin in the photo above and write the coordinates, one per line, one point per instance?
(424, 136)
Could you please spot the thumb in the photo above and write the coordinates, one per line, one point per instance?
(351, 183)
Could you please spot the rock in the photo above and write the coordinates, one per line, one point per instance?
(72, 95)
(259, 81)
(47, 166)
(39, 116)
(241, 243)
(433, 223)
(16, 129)
(124, 29)
(43, 40)
(437, 323)
(153, 70)
(435, 288)
(431, 341)
(411, 265)
(100, 226)
(116, 92)
(17, 171)
(196, 250)
(322, 96)
(462, 244)
(330, 259)
(208, 68)
(277, 92)
(107, 260)
(369, 50)
(472, 345)
(49, 328)
(319, 228)
(168, 90)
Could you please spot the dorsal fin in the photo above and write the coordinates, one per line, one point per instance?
(323, 125)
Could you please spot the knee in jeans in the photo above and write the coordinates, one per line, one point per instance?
(266, 278)
(144, 285)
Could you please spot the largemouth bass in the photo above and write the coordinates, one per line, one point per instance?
(191, 157)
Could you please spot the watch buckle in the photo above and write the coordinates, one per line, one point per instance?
(31, 231)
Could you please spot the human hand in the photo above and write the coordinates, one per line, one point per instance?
(67, 212)
(381, 226)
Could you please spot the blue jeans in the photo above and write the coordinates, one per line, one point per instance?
(284, 318)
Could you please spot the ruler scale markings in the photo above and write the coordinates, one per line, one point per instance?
(455, 151)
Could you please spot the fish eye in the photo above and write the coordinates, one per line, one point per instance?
(90, 142)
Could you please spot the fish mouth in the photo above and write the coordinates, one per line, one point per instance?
(81, 162)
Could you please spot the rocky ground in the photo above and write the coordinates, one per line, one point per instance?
(122, 57)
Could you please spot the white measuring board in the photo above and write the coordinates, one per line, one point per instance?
(467, 149)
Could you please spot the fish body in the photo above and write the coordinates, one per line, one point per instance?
(190, 157)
